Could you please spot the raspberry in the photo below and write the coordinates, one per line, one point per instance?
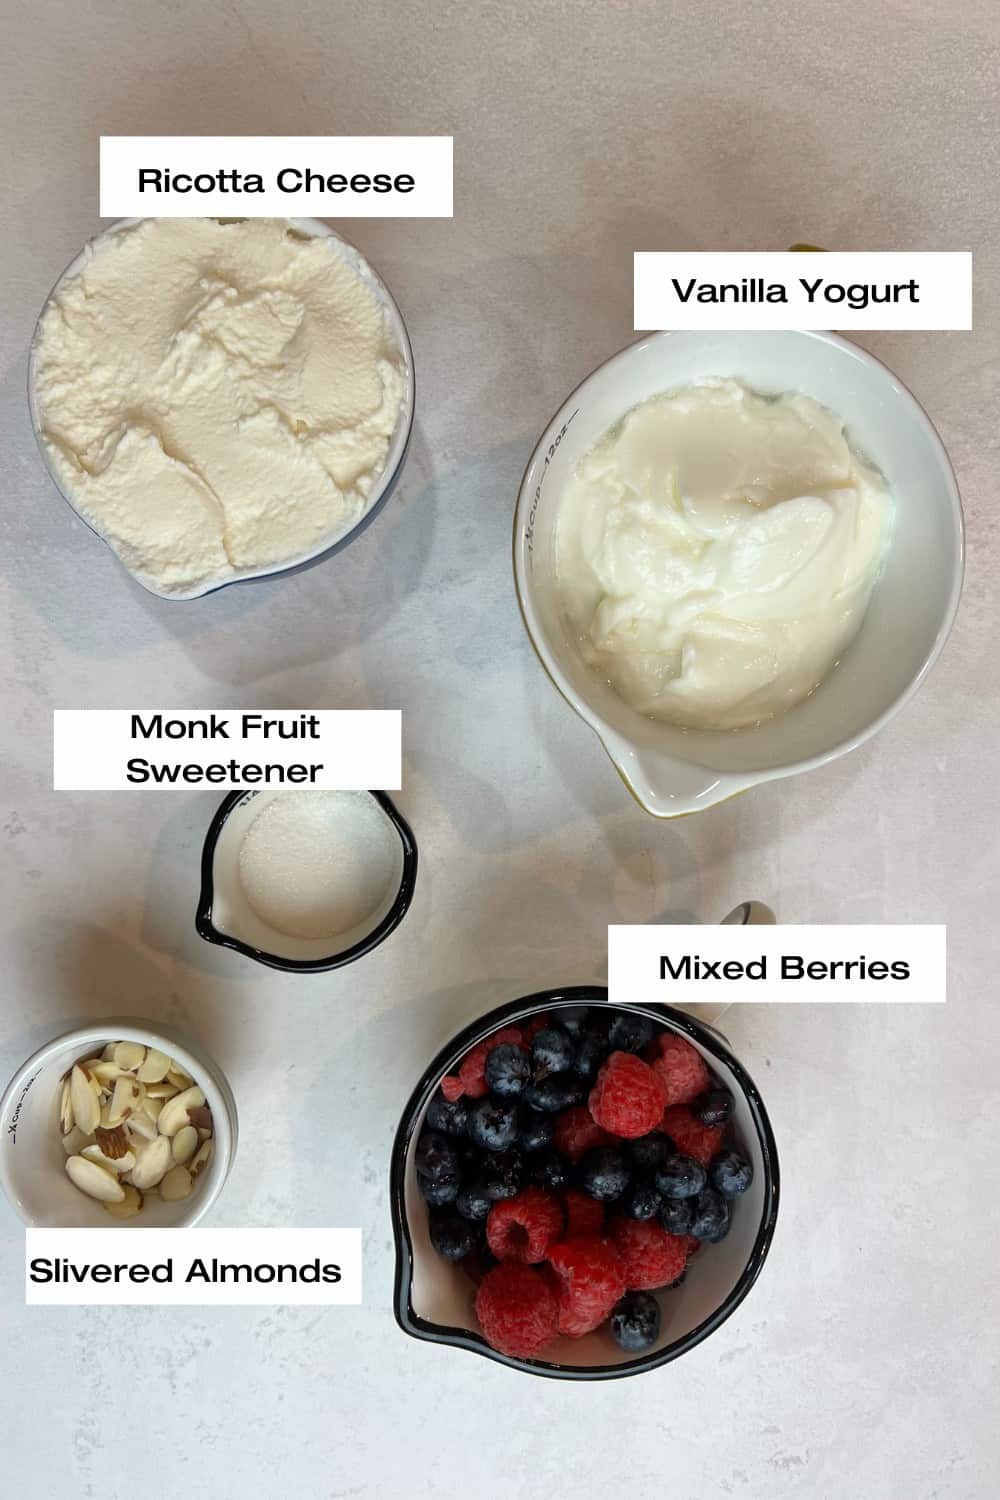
(584, 1215)
(681, 1068)
(628, 1097)
(690, 1136)
(577, 1132)
(517, 1310)
(452, 1087)
(650, 1256)
(531, 1028)
(472, 1073)
(524, 1227)
(592, 1281)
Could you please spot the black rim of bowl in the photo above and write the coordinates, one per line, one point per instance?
(465, 1338)
(397, 911)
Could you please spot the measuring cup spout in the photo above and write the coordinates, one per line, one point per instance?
(663, 784)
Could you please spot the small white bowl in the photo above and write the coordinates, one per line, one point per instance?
(398, 443)
(32, 1160)
(673, 771)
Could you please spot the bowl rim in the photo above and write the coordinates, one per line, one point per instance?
(418, 1327)
(205, 927)
(731, 783)
(399, 442)
(195, 1060)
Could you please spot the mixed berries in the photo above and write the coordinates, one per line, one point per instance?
(573, 1165)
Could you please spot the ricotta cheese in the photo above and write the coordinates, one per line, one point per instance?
(216, 396)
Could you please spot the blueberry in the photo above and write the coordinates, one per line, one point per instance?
(436, 1157)
(641, 1201)
(554, 1093)
(635, 1322)
(680, 1177)
(711, 1217)
(714, 1107)
(551, 1171)
(591, 1051)
(573, 1018)
(676, 1215)
(552, 1051)
(730, 1174)
(604, 1173)
(508, 1069)
(493, 1123)
(649, 1152)
(438, 1191)
(473, 1201)
(629, 1033)
(451, 1235)
(447, 1115)
(502, 1174)
(470, 1159)
(534, 1129)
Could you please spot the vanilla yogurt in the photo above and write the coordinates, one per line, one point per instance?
(716, 551)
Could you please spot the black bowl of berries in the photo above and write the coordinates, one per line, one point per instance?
(581, 1190)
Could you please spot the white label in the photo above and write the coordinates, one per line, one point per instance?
(763, 965)
(276, 176)
(847, 289)
(197, 1267)
(114, 750)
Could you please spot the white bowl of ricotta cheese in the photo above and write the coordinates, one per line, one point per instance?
(221, 400)
(737, 555)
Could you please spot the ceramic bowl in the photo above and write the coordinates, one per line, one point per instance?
(225, 917)
(398, 443)
(32, 1160)
(673, 771)
(434, 1300)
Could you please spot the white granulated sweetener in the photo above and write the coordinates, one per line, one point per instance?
(318, 864)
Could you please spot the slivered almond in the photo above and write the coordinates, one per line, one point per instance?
(94, 1180)
(200, 1159)
(174, 1113)
(107, 1072)
(185, 1144)
(85, 1102)
(119, 1166)
(176, 1184)
(152, 1161)
(65, 1109)
(164, 1090)
(129, 1055)
(130, 1205)
(154, 1068)
(123, 1101)
(114, 1143)
(74, 1143)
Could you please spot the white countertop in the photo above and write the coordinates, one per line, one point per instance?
(864, 1362)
